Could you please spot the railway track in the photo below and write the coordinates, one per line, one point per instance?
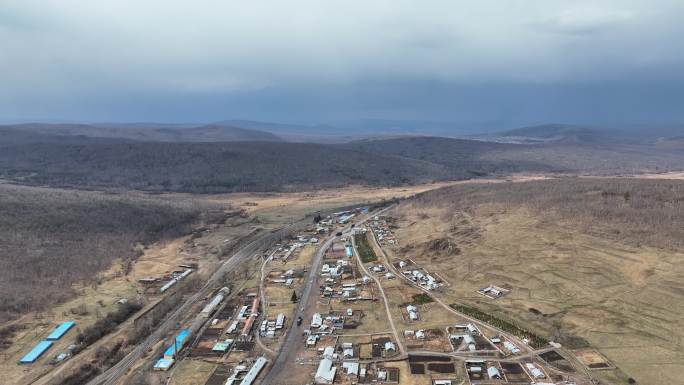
(112, 375)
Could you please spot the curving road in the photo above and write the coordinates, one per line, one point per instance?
(385, 301)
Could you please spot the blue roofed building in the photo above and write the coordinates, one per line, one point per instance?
(181, 339)
(36, 352)
(61, 330)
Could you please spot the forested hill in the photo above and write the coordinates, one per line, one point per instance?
(209, 167)
(284, 166)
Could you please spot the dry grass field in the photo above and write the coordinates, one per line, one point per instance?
(191, 372)
(592, 261)
(278, 207)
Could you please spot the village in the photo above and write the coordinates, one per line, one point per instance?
(330, 304)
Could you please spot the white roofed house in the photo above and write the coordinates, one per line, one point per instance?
(471, 328)
(534, 371)
(316, 320)
(412, 312)
(351, 368)
(511, 348)
(493, 373)
(325, 374)
(431, 282)
(280, 321)
(329, 352)
(470, 342)
(382, 374)
(311, 340)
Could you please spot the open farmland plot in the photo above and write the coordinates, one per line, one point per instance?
(190, 372)
(364, 248)
(593, 359)
(589, 262)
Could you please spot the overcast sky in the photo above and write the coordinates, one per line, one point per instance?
(505, 61)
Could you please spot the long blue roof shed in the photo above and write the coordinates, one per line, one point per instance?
(36, 352)
(180, 339)
(60, 330)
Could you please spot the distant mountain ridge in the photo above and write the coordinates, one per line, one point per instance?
(547, 133)
(11, 136)
(152, 132)
(569, 133)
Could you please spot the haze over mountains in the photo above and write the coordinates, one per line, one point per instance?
(152, 132)
(340, 132)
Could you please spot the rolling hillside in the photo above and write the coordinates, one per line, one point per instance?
(84, 162)
(209, 167)
(43, 230)
(463, 157)
(589, 262)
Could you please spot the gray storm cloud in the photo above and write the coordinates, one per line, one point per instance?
(107, 59)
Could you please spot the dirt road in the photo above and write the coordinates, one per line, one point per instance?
(399, 342)
(306, 301)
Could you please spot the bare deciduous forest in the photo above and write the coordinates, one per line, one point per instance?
(282, 166)
(209, 167)
(50, 239)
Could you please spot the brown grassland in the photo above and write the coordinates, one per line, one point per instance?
(590, 261)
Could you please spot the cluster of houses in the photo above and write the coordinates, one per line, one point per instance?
(477, 369)
(343, 217)
(338, 280)
(382, 231)
(328, 324)
(343, 363)
(418, 276)
(422, 279)
(417, 334)
(335, 270)
(463, 337)
(284, 252)
(286, 278)
(269, 328)
(250, 375)
(245, 318)
(481, 370)
(507, 346)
